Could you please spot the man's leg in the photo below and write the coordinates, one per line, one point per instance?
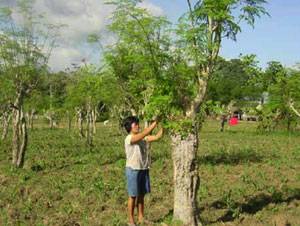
(131, 204)
(140, 205)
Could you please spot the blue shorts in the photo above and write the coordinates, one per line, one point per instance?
(137, 182)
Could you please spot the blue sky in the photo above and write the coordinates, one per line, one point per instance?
(273, 38)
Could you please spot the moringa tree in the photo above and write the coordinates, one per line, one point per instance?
(200, 33)
(284, 96)
(176, 76)
(138, 56)
(25, 48)
(91, 90)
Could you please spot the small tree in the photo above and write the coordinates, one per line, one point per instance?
(235, 79)
(181, 94)
(25, 50)
(176, 78)
(91, 91)
(284, 96)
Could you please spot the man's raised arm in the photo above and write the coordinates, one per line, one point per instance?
(155, 137)
(137, 137)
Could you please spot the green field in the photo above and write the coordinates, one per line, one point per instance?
(247, 178)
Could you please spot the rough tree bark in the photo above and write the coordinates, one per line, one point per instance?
(186, 175)
(20, 137)
(185, 148)
(80, 116)
(31, 115)
(23, 129)
(6, 120)
(186, 178)
(119, 114)
(94, 120)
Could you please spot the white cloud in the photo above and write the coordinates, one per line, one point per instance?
(63, 57)
(82, 17)
(155, 10)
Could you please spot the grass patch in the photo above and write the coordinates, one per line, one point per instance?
(247, 178)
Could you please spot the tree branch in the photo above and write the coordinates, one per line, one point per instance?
(293, 108)
(149, 42)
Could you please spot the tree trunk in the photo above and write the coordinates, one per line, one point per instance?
(148, 145)
(50, 116)
(16, 132)
(291, 103)
(69, 121)
(186, 178)
(89, 134)
(79, 120)
(19, 129)
(223, 121)
(94, 120)
(30, 116)
(23, 147)
(6, 121)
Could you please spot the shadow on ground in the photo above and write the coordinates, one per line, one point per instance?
(253, 205)
(233, 157)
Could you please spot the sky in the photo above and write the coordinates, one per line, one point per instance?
(273, 38)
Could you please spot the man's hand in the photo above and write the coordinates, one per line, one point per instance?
(137, 137)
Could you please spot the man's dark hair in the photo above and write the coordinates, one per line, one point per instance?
(128, 122)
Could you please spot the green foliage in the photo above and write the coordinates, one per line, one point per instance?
(234, 80)
(164, 77)
(284, 90)
(271, 74)
(25, 48)
(230, 12)
(90, 81)
(138, 58)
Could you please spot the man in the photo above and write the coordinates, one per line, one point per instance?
(137, 165)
